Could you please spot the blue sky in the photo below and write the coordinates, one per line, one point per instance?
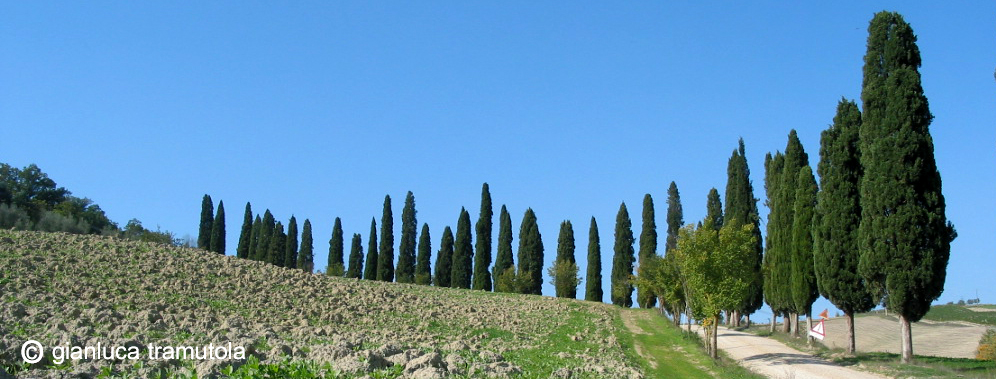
(319, 109)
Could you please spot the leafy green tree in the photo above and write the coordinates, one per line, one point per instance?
(257, 231)
(218, 230)
(405, 272)
(423, 273)
(278, 240)
(32, 191)
(593, 280)
(904, 234)
(306, 257)
(804, 291)
(385, 260)
(661, 276)
(482, 253)
(648, 248)
(463, 253)
(564, 272)
(444, 260)
(335, 264)
(245, 237)
(207, 223)
(504, 259)
(370, 272)
(713, 271)
(622, 261)
(675, 217)
(837, 216)
(741, 209)
(355, 258)
(290, 250)
(714, 209)
(530, 255)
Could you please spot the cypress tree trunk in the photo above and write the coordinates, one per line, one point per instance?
(809, 326)
(786, 323)
(773, 315)
(851, 346)
(906, 336)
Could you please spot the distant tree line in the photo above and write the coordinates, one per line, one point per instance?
(30, 200)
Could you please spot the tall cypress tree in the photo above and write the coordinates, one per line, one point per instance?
(564, 268)
(385, 260)
(531, 254)
(714, 209)
(838, 214)
(803, 285)
(406, 251)
(370, 271)
(423, 273)
(593, 280)
(463, 253)
(773, 167)
(622, 261)
(335, 264)
(266, 233)
(904, 234)
(741, 209)
(218, 230)
(207, 223)
(245, 236)
(277, 242)
(482, 253)
(290, 250)
(675, 218)
(355, 269)
(648, 248)
(444, 259)
(306, 258)
(257, 231)
(781, 220)
(503, 260)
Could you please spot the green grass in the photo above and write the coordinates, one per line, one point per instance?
(961, 313)
(679, 354)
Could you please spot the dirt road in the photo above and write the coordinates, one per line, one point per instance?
(773, 359)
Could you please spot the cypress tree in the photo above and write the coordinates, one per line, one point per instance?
(290, 250)
(904, 234)
(714, 209)
(838, 214)
(803, 285)
(593, 281)
(622, 261)
(266, 233)
(257, 230)
(482, 253)
(405, 272)
(306, 258)
(781, 220)
(530, 254)
(355, 258)
(675, 218)
(245, 236)
(370, 271)
(444, 259)
(385, 260)
(335, 264)
(564, 270)
(503, 260)
(277, 242)
(423, 273)
(207, 223)
(773, 166)
(218, 230)
(648, 248)
(462, 253)
(741, 209)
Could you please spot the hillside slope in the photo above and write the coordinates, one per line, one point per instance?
(76, 290)
(875, 332)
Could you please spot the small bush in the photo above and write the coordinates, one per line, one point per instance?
(987, 346)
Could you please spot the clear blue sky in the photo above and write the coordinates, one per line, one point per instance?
(319, 109)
